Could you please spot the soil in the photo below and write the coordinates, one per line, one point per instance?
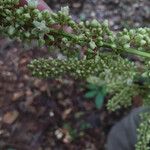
(46, 114)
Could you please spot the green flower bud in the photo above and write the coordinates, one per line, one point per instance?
(92, 45)
(126, 46)
(27, 34)
(142, 30)
(41, 26)
(27, 16)
(32, 3)
(65, 40)
(51, 38)
(131, 32)
(142, 42)
(95, 23)
(100, 43)
(105, 23)
(81, 23)
(64, 11)
(41, 42)
(11, 30)
(87, 23)
(126, 38)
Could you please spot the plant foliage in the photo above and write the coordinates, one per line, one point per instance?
(90, 51)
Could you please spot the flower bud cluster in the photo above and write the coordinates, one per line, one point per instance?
(122, 98)
(146, 74)
(28, 23)
(143, 132)
(8, 3)
(119, 80)
(134, 38)
(107, 67)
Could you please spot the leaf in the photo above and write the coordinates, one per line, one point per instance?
(90, 94)
(92, 86)
(73, 133)
(67, 126)
(103, 90)
(99, 100)
(41, 25)
(85, 125)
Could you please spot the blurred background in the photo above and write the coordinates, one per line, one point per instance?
(48, 114)
(120, 13)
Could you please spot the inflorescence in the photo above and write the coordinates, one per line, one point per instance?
(90, 51)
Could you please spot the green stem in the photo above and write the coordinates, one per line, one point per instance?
(140, 53)
(129, 50)
(63, 34)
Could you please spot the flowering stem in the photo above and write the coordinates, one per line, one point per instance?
(140, 53)
(129, 50)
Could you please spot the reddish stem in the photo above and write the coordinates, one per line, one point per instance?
(41, 5)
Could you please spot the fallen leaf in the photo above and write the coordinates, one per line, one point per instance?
(17, 95)
(10, 117)
(66, 113)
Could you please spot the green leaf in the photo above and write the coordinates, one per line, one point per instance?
(73, 133)
(85, 125)
(99, 100)
(103, 91)
(92, 86)
(90, 94)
